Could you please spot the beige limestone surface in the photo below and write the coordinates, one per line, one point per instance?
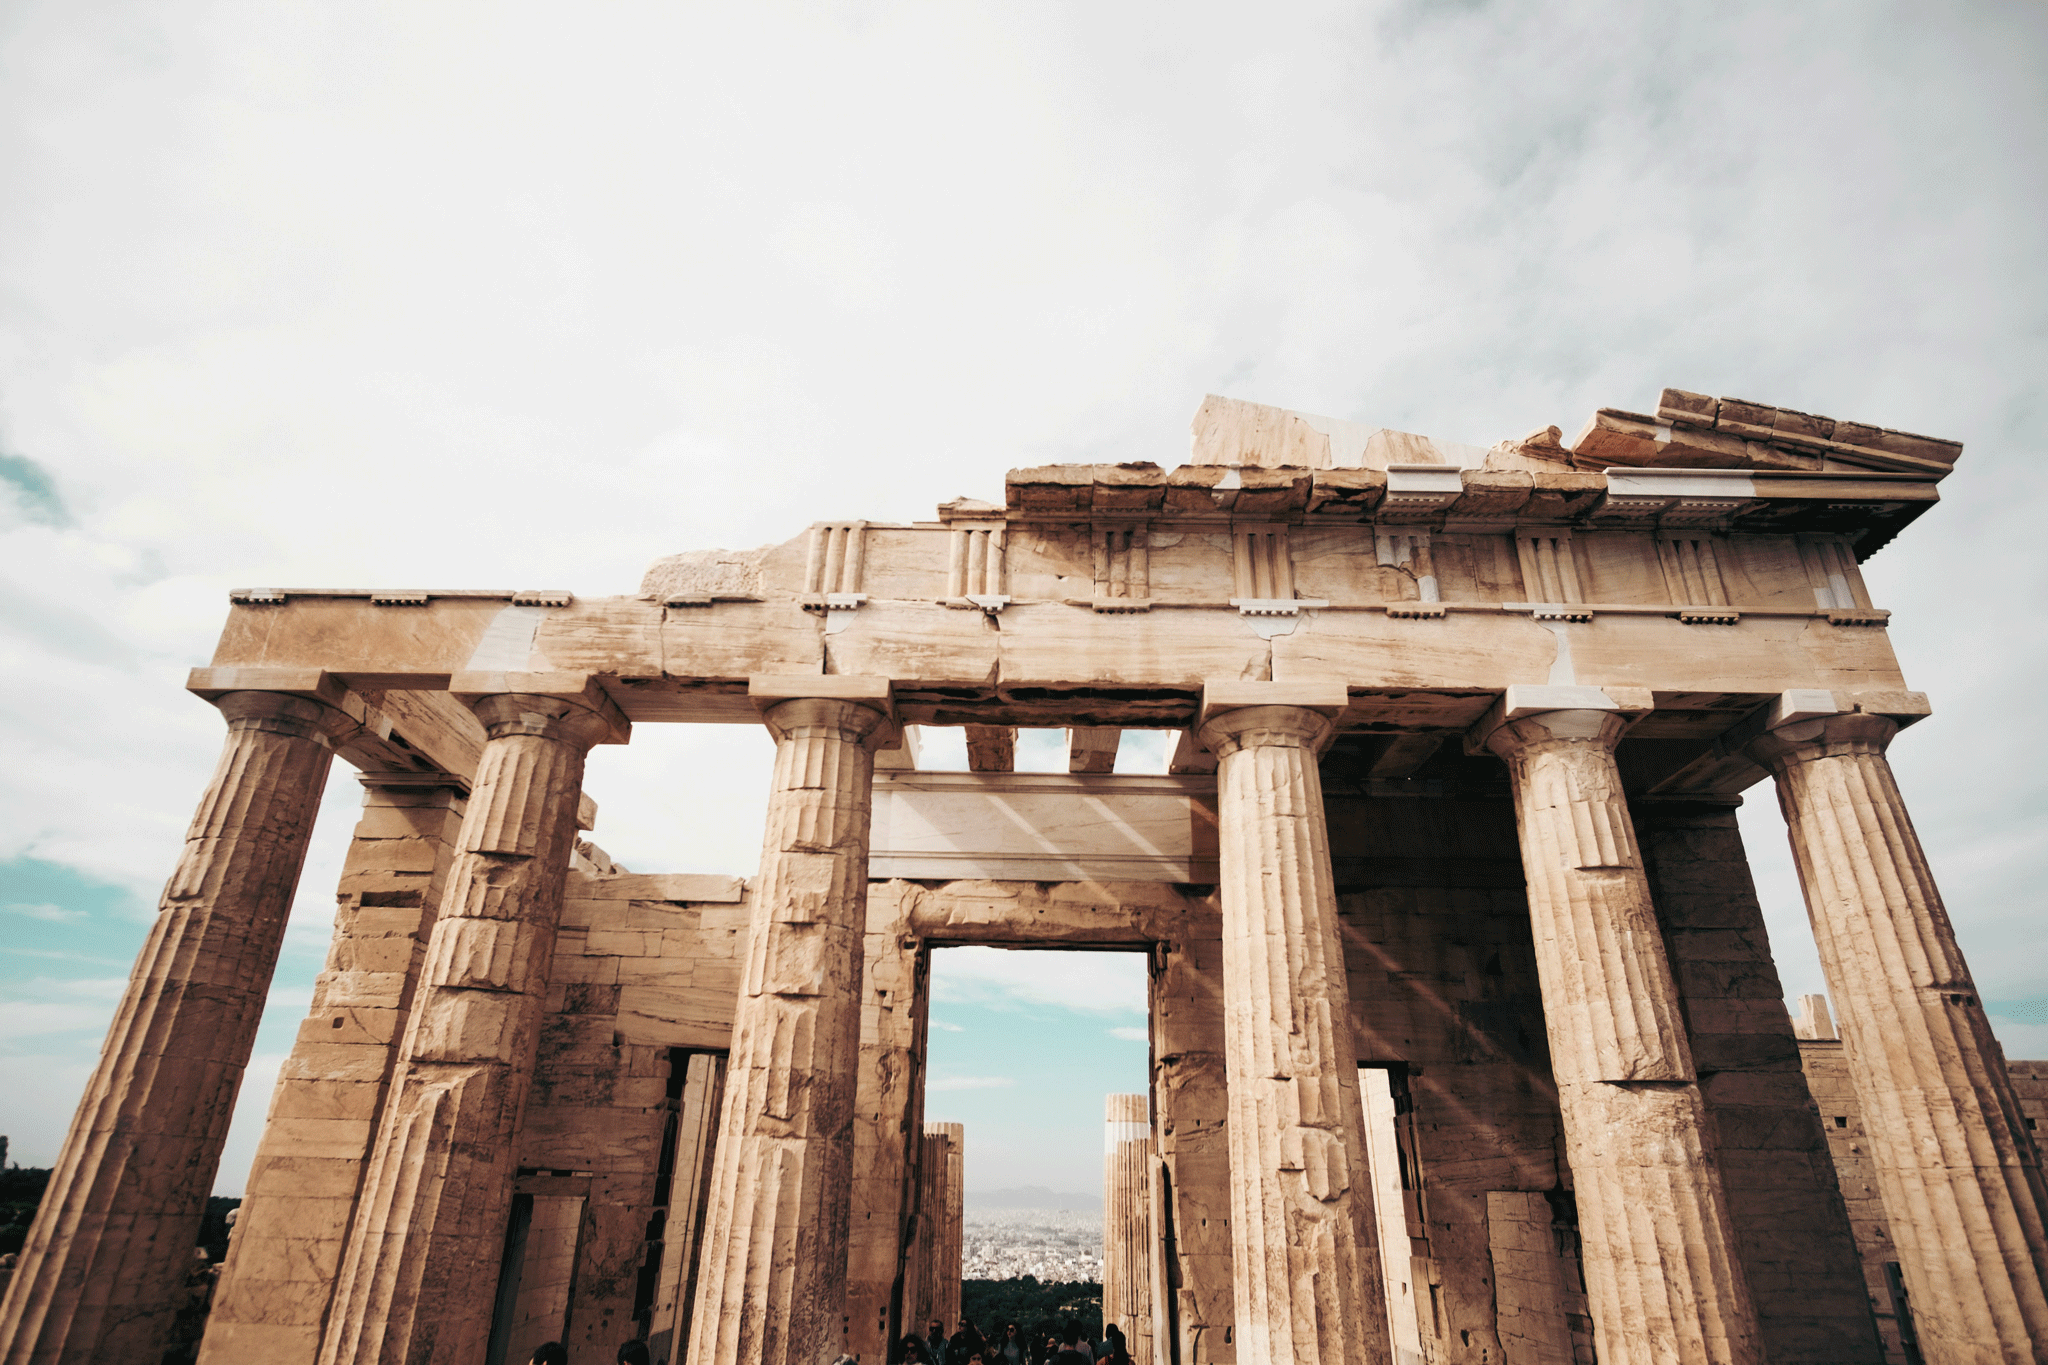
(1305, 1256)
(1661, 1263)
(107, 1256)
(1961, 1178)
(773, 1282)
(436, 1190)
(1127, 1221)
(704, 1115)
(277, 1283)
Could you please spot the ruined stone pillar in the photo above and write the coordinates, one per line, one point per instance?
(107, 1258)
(1960, 1179)
(772, 1279)
(1659, 1248)
(423, 1251)
(1305, 1262)
(1127, 1238)
(947, 1225)
(918, 1304)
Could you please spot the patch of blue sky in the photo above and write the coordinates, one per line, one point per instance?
(67, 944)
(1023, 1047)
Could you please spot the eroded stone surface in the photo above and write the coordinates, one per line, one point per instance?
(1661, 1264)
(599, 1170)
(109, 1251)
(773, 1280)
(1304, 1251)
(1960, 1177)
(429, 1224)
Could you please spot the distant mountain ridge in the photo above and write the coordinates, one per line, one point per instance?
(1032, 1197)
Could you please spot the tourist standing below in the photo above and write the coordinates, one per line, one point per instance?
(1074, 1353)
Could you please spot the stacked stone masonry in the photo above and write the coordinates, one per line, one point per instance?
(1466, 1041)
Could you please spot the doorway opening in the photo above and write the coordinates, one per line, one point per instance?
(1025, 1047)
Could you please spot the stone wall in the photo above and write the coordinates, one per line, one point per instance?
(1444, 993)
(1792, 1231)
(1827, 1077)
(645, 971)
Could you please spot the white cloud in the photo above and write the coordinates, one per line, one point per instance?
(1092, 982)
(29, 1018)
(968, 1082)
(946, 1027)
(325, 295)
(54, 913)
(1132, 1035)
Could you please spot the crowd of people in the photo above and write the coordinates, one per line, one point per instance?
(554, 1353)
(1048, 1343)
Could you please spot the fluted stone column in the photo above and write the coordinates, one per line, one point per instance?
(415, 1282)
(1659, 1249)
(771, 1283)
(1959, 1176)
(106, 1261)
(948, 1226)
(1127, 1238)
(1305, 1261)
(918, 1303)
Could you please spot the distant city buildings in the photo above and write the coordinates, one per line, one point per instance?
(1049, 1244)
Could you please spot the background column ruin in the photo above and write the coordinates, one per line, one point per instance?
(932, 1261)
(113, 1241)
(772, 1279)
(1960, 1177)
(430, 1223)
(1305, 1258)
(1659, 1248)
(945, 1253)
(1127, 1237)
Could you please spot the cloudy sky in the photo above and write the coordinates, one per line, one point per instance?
(464, 295)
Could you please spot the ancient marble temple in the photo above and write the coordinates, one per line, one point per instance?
(1466, 1041)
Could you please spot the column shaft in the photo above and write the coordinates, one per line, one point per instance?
(920, 1293)
(111, 1246)
(430, 1222)
(948, 1226)
(1960, 1178)
(1305, 1262)
(1127, 1237)
(1659, 1249)
(772, 1279)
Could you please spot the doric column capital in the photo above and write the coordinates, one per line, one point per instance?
(1299, 715)
(1804, 741)
(573, 721)
(1545, 729)
(1529, 714)
(285, 713)
(861, 708)
(570, 707)
(1292, 727)
(855, 722)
